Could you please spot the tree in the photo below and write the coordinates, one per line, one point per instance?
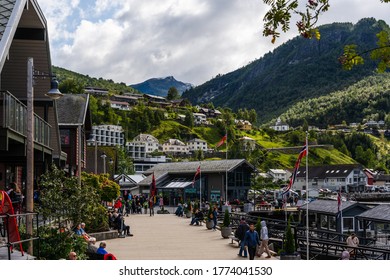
(173, 94)
(189, 119)
(279, 15)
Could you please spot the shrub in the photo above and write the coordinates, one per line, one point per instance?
(226, 219)
(289, 246)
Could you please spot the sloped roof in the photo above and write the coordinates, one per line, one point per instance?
(72, 109)
(328, 171)
(145, 138)
(380, 213)
(10, 13)
(330, 206)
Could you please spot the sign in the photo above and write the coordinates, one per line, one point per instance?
(190, 190)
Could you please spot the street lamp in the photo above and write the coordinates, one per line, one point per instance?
(93, 140)
(53, 93)
(103, 156)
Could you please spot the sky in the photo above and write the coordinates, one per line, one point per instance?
(131, 41)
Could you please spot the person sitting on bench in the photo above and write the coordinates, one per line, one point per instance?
(198, 217)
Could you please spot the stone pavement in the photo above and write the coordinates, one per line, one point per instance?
(168, 237)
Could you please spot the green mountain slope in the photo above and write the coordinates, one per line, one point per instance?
(297, 70)
(367, 99)
(71, 80)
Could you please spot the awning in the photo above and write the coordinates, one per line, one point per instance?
(178, 185)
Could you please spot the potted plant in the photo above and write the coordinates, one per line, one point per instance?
(226, 229)
(288, 252)
(209, 220)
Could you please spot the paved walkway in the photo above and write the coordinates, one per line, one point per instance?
(168, 237)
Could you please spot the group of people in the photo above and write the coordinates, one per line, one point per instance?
(352, 242)
(249, 240)
(116, 221)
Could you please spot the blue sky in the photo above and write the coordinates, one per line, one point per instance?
(193, 40)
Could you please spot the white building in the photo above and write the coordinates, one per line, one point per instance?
(199, 119)
(280, 126)
(197, 144)
(348, 177)
(279, 174)
(142, 145)
(108, 135)
(175, 146)
(120, 105)
(248, 144)
(96, 91)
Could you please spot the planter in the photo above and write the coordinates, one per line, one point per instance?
(226, 232)
(286, 257)
(209, 224)
(228, 207)
(188, 214)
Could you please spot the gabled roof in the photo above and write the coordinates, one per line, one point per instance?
(328, 171)
(72, 109)
(10, 14)
(380, 213)
(330, 206)
(129, 179)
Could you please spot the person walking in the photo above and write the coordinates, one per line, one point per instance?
(264, 240)
(352, 241)
(240, 234)
(215, 215)
(251, 240)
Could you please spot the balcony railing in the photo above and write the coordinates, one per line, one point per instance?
(14, 117)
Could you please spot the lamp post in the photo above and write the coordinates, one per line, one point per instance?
(103, 156)
(93, 140)
(53, 93)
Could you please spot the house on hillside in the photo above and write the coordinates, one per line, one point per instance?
(210, 113)
(347, 177)
(74, 120)
(247, 143)
(157, 101)
(96, 91)
(279, 175)
(108, 135)
(200, 119)
(120, 105)
(175, 147)
(129, 99)
(175, 180)
(142, 146)
(23, 35)
(280, 125)
(243, 125)
(197, 144)
(177, 103)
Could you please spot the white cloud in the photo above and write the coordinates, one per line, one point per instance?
(193, 40)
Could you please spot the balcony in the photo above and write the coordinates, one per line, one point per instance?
(13, 116)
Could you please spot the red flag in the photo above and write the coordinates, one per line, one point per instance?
(301, 155)
(222, 141)
(153, 187)
(196, 174)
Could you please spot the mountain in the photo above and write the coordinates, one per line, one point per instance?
(160, 86)
(297, 70)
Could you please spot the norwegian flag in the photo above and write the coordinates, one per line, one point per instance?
(339, 201)
(301, 155)
(196, 174)
(222, 141)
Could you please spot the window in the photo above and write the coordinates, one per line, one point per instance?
(65, 134)
(332, 223)
(324, 221)
(348, 224)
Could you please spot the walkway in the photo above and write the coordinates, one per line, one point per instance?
(168, 237)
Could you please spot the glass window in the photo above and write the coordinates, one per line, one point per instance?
(332, 223)
(65, 135)
(348, 224)
(324, 221)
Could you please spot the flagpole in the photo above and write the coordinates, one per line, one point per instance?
(307, 196)
(200, 187)
(226, 192)
(341, 212)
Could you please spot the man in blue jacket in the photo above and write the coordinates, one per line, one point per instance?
(251, 240)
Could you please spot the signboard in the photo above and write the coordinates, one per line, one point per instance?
(190, 190)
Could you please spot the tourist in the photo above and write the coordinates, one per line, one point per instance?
(78, 230)
(264, 240)
(85, 234)
(215, 215)
(91, 248)
(352, 241)
(345, 255)
(198, 217)
(120, 225)
(179, 210)
(161, 202)
(72, 256)
(118, 205)
(102, 248)
(240, 234)
(151, 206)
(251, 240)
